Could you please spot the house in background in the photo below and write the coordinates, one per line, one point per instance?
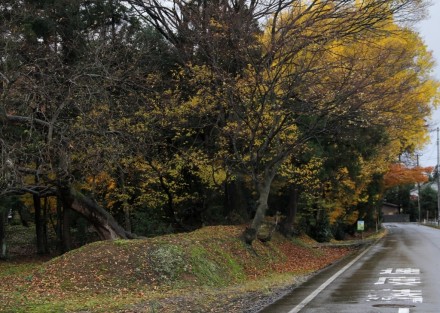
(391, 214)
(390, 209)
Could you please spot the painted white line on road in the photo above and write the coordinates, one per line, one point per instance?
(403, 310)
(399, 281)
(400, 271)
(381, 281)
(310, 297)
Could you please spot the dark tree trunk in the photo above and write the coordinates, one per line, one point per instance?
(236, 199)
(125, 206)
(40, 223)
(39, 226)
(287, 228)
(45, 221)
(2, 234)
(169, 208)
(25, 215)
(59, 227)
(105, 225)
(66, 235)
(127, 218)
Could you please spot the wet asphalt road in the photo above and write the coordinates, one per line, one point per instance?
(399, 274)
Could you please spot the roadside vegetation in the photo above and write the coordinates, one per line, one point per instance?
(208, 270)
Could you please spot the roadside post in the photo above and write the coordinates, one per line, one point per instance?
(361, 227)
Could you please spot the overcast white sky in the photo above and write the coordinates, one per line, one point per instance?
(430, 31)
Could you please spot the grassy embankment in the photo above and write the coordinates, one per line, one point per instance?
(193, 272)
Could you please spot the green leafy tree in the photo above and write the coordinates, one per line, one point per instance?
(428, 202)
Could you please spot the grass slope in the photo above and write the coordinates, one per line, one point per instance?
(210, 269)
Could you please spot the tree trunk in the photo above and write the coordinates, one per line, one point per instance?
(292, 208)
(236, 199)
(25, 215)
(45, 221)
(127, 218)
(2, 233)
(169, 208)
(125, 206)
(263, 188)
(105, 225)
(66, 235)
(59, 227)
(39, 226)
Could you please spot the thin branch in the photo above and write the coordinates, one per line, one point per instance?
(26, 119)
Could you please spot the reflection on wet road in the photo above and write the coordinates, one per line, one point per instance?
(400, 274)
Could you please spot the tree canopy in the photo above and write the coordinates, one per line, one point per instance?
(164, 116)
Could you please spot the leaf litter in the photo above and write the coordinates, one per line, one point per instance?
(207, 270)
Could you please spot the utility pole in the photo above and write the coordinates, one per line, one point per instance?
(418, 195)
(438, 179)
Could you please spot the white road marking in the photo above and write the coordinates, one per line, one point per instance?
(399, 281)
(408, 271)
(403, 310)
(415, 296)
(407, 294)
(381, 281)
(386, 271)
(310, 297)
(400, 271)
